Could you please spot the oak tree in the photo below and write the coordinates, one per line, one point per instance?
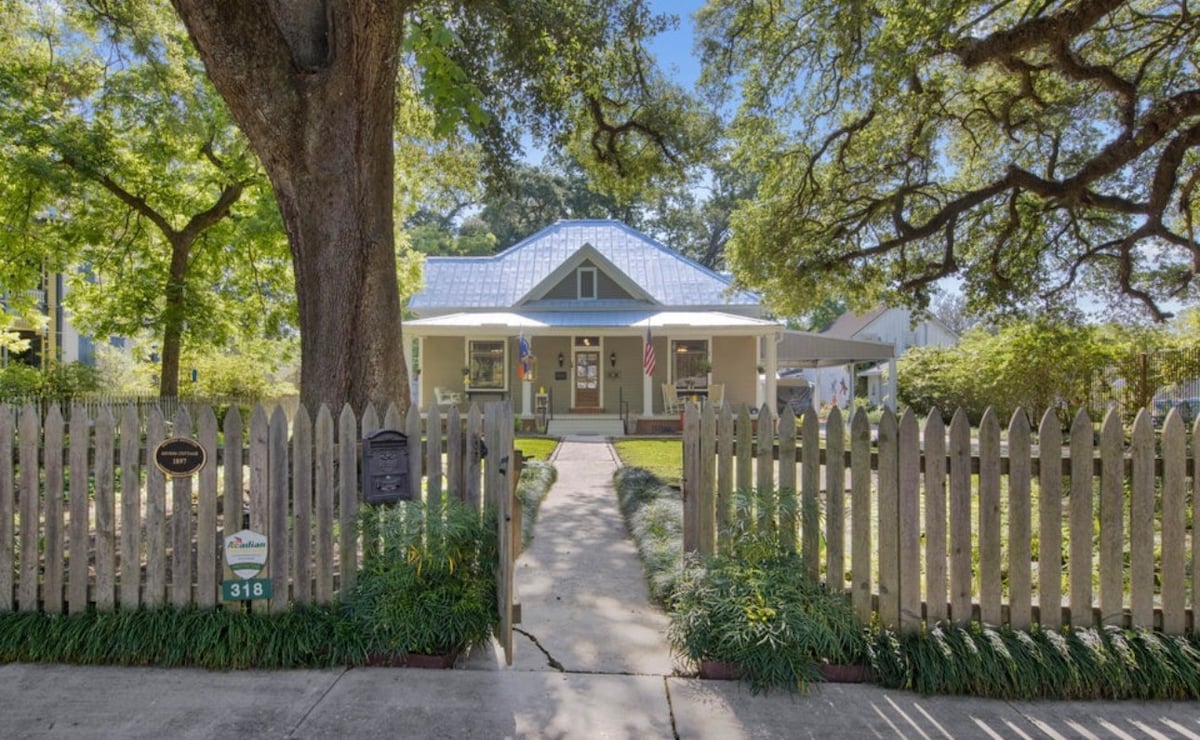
(313, 84)
(1034, 149)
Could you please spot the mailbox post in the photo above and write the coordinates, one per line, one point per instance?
(385, 478)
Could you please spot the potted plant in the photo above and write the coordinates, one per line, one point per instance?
(427, 587)
(753, 614)
(466, 377)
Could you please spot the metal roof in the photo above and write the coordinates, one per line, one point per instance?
(503, 280)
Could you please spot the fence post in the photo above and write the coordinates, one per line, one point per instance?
(691, 479)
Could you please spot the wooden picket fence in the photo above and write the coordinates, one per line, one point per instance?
(86, 517)
(934, 525)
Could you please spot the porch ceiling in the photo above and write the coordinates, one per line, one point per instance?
(805, 349)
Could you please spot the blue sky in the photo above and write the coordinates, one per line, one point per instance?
(674, 49)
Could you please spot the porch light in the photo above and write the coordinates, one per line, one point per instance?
(561, 359)
(612, 359)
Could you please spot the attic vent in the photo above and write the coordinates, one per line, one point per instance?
(586, 282)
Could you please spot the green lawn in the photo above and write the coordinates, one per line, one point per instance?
(536, 448)
(662, 457)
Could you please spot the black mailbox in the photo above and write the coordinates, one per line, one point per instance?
(385, 467)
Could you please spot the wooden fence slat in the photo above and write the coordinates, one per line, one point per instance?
(810, 492)
(1141, 523)
(416, 462)
(106, 513)
(260, 486)
(889, 522)
(708, 476)
(433, 459)
(28, 495)
(131, 509)
(324, 490)
(935, 518)
(454, 456)
(1050, 522)
(474, 459)
(79, 527)
(207, 551)
(908, 506)
(835, 501)
(347, 500)
(690, 482)
(52, 579)
(745, 459)
(302, 507)
(725, 467)
(766, 499)
(789, 499)
(861, 550)
(7, 510)
(990, 534)
(279, 549)
(1194, 455)
(181, 523)
(1174, 503)
(392, 420)
(234, 501)
(961, 577)
(1020, 542)
(1112, 522)
(1080, 522)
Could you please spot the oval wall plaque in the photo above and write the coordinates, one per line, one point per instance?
(179, 456)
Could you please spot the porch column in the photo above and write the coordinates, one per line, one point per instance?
(414, 380)
(526, 398)
(647, 394)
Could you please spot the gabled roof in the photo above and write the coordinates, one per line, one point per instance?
(664, 277)
(849, 323)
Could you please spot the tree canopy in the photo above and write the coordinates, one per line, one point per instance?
(122, 168)
(1035, 149)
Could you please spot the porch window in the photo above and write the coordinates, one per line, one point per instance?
(587, 283)
(486, 361)
(689, 359)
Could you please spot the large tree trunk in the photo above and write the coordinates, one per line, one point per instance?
(312, 84)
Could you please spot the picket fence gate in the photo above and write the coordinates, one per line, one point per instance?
(86, 517)
(938, 526)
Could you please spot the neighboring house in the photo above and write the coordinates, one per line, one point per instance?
(893, 326)
(55, 340)
(579, 299)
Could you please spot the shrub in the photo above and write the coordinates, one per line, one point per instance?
(428, 581)
(536, 479)
(653, 513)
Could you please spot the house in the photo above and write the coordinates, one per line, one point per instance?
(558, 326)
(889, 325)
(53, 339)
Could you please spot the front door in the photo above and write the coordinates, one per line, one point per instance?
(587, 379)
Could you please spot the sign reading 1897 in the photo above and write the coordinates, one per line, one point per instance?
(245, 557)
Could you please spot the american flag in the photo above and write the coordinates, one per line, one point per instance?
(648, 354)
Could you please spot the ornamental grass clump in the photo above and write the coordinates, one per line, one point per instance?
(753, 606)
(428, 579)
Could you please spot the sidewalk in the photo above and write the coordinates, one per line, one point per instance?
(601, 671)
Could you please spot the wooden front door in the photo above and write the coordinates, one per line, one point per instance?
(587, 379)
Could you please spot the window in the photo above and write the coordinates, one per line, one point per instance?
(587, 283)
(689, 359)
(486, 360)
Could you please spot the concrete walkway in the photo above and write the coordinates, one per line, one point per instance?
(581, 584)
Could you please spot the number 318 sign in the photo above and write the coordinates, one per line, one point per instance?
(245, 558)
